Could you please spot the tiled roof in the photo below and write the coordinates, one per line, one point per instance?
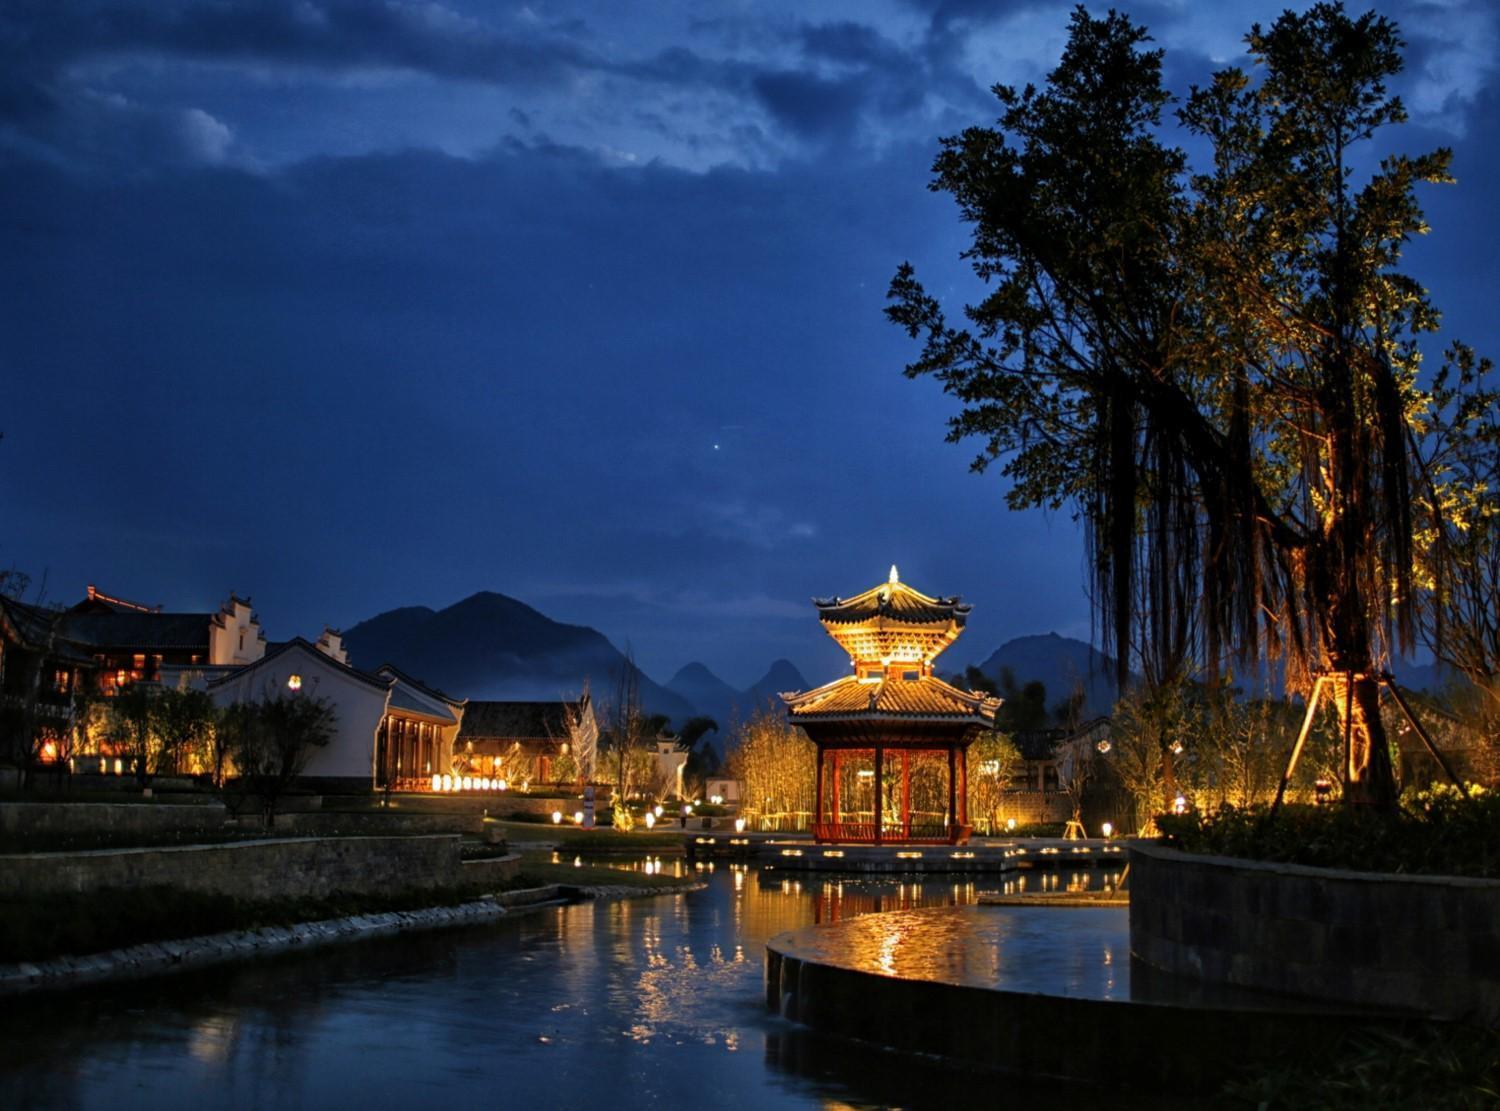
(30, 625)
(402, 699)
(134, 629)
(282, 648)
(515, 720)
(392, 669)
(927, 697)
(893, 600)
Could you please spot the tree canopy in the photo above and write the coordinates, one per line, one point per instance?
(1216, 366)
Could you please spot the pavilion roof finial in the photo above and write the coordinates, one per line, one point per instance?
(895, 577)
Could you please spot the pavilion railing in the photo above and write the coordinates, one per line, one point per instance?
(928, 833)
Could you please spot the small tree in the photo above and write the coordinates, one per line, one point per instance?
(992, 762)
(776, 763)
(135, 722)
(274, 739)
(630, 730)
(184, 722)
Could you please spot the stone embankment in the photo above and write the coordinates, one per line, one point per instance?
(161, 957)
(1424, 944)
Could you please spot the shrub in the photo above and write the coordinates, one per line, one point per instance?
(1437, 832)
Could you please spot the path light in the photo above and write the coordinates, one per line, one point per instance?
(657, 810)
(468, 783)
(503, 785)
(650, 819)
(437, 783)
(1179, 805)
(739, 825)
(1108, 829)
(557, 817)
(578, 817)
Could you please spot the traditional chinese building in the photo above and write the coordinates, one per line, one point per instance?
(892, 738)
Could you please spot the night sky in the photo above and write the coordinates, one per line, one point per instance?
(351, 305)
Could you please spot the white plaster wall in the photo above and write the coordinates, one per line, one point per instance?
(358, 706)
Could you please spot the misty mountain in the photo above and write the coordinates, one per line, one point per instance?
(781, 676)
(1061, 664)
(705, 690)
(493, 646)
(716, 698)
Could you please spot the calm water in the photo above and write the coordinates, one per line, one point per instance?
(636, 1003)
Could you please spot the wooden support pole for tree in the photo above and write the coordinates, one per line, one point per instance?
(1291, 764)
(1390, 685)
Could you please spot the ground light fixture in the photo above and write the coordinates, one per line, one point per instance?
(650, 819)
(1108, 829)
(739, 825)
(557, 817)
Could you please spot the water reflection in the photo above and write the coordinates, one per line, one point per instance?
(636, 1003)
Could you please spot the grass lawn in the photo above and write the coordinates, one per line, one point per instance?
(44, 926)
(573, 837)
(538, 868)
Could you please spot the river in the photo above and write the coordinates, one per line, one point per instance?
(651, 1002)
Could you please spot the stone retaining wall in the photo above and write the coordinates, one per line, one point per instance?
(495, 869)
(1043, 1037)
(1429, 944)
(267, 869)
(28, 819)
(373, 822)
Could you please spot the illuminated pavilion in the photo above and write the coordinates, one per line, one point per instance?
(892, 737)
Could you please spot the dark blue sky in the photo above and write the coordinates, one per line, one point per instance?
(355, 305)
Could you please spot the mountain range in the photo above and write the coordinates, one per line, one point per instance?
(493, 646)
(1062, 664)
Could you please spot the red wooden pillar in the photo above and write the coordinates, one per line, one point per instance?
(818, 804)
(879, 792)
(952, 796)
(905, 794)
(838, 776)
(963, 792)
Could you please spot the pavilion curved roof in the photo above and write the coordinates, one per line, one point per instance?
(926, 697)
(895, 600)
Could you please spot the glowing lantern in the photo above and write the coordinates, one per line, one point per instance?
(650, 819)
(447, 783)
(468, 783)
(1010, 825)
(657, 810)
(294, 683)
(578, 817)
(557, 817)
(503, 785)
(437, 783)
(1108, 829)
(1179, 805)
(739, 825)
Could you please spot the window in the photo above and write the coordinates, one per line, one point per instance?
(872, 673)
(911, 676)
(62, 680)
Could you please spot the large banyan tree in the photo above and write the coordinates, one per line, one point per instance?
(1215, 365)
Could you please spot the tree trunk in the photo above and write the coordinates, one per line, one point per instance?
(1369, 777)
